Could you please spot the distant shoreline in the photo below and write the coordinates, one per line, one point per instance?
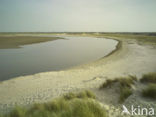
(7, 42)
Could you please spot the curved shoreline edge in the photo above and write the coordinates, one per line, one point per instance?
(117, 47)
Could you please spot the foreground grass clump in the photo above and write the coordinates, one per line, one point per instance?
(72, 106)
(150, 91)
(125, 92)
(149, 78)
(83, 94)
(124, 86)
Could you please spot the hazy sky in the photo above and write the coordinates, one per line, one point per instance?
(78, 15)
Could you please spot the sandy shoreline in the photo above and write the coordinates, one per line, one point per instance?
(131, 58)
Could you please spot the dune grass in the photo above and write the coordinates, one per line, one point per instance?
(125, 88)
(125, 92)
(108, 83)
(125, 84)
(123, 81)
(148, 78)
(150, 91)
(70, 105)
(83, 94)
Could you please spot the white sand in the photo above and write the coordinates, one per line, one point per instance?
(131, 59)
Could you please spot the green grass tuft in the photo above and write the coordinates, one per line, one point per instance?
(72, 105)
(18, 112)
(108, 83)
(148, 78)
(83, 94)
(123, 81)
(124, 93)
(150, 91)
(125, 84)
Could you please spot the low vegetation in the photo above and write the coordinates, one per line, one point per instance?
(14, 41)
(140, 37)
(125, 84)
(123, 81)
(125, 92)
(150, 91)
(69, 105)
(148, 78)
(108, 83)
(84, 104)
(83, 94)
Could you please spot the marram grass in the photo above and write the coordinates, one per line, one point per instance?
(149, 78)
(150, 91)
(125, 84)
(82, 104)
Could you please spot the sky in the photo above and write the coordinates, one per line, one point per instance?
(77, 15)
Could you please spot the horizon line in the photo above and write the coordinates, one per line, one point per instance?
(79, 32)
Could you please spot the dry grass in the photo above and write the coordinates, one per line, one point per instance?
(125, 92)
(148, 78)
(125, 84)
(150, 91)
(123, 81)
(70, 105)
(83, 94)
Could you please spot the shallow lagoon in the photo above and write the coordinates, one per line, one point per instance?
(53, 55)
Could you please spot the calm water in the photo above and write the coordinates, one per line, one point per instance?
(52, 55)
